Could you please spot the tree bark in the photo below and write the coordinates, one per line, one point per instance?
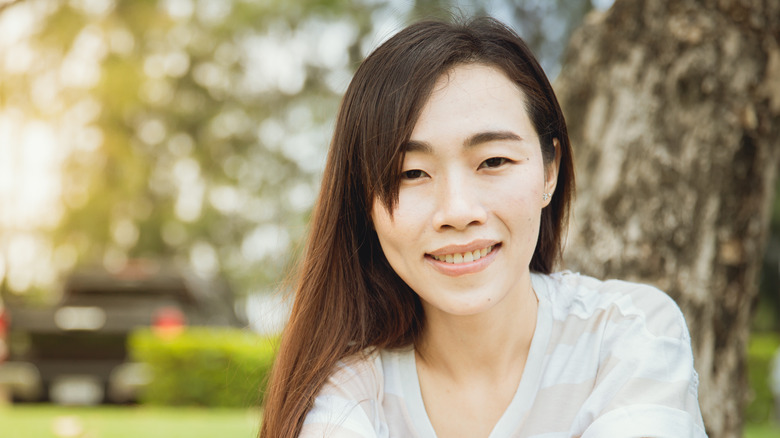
(673, 108)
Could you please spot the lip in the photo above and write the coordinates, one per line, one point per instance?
(468, 247)
(455, 270)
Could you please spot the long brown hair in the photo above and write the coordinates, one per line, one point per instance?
(348, 298)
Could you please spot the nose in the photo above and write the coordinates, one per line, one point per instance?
(458, 204)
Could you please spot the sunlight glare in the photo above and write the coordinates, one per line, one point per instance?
(17, 23)
(203, 259)
(81, 67)
(28, 267)
(267, 240)
(29, 173)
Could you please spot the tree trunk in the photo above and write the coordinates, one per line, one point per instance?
(673, 108)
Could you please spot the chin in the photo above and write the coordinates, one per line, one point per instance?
(468, 307)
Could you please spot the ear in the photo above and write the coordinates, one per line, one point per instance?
(551, 172)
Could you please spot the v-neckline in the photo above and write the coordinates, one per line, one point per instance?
(526, 389)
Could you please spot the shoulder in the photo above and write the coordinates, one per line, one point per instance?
(358, 377)
(349, 403)
(618, 303)
(638, 342)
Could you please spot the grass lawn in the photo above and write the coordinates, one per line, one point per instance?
(48, 421)
(766, 430)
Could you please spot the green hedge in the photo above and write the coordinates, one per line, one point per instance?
(761, 349)
(229, 367)
(204, 366)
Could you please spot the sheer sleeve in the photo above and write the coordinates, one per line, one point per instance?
(646, 384)
(349, 404)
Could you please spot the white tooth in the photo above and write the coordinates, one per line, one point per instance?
(477, 255)
(468, 257)
(437, 258)
(483, 252)
(457, 258)
(449, 259)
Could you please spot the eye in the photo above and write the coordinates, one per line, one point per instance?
(493, 162)
(413, 174)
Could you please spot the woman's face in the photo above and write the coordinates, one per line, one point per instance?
(465, 227)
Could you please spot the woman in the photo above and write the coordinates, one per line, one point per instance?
(426, 305)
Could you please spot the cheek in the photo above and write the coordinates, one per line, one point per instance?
(523, 203)
(408, 215)
(390, 231)
(394, 241)
(520, 210)
(382, 222)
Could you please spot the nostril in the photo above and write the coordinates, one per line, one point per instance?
(459, 218)
(458, 203)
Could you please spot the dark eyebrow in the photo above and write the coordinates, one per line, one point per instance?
(475, 140)
(417, 146)
(486, 137)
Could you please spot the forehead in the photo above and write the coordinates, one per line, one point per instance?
(488, 73)
(472, 98)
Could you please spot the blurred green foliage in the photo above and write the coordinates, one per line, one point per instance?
(761, 350)
(46, 421)
(197, 130)
(767, 313)
(204, 366)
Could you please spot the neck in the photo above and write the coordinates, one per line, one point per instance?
(492, 344)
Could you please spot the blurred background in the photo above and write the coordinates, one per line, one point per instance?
(183, 129)
(193, 133)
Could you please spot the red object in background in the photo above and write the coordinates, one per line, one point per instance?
(4, 321)
(168, 322)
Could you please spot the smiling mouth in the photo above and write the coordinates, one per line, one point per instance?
(464, 257)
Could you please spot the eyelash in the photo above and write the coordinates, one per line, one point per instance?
(419, 173)
(502, 161)
(407, 174)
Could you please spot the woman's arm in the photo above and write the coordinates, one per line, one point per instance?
(646, 383)
(349, 404)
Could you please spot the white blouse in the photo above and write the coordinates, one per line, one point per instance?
(608, 359)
